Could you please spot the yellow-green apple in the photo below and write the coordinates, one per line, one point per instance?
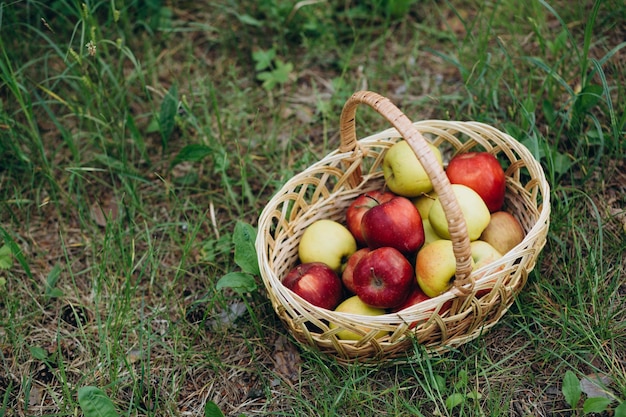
(483, 253)
(395, 223)
(435, 264)
(424, 202)
(317, 283)
(360, 205)
(435, 267)
(347, 276)
(383, 278)
(474, 209)
(503, 232)
(482, 172)
(327, 241)
(403, 172)
(429, 233)
(354, 305)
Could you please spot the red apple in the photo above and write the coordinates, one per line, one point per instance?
(383, 278)
(482, 172)
(347, 275)
(360, 206)
(395, 223)
(317, 283)
(417, 296)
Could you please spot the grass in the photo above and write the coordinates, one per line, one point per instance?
(124, 169)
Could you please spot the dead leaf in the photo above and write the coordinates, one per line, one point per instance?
(102, 212)
(35, 395)
(596, 385)
(287, 361)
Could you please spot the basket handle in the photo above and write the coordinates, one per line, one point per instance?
(419, 145)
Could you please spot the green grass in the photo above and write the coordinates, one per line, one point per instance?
(168, 121)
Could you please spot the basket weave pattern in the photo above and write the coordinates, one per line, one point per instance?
(324, 191)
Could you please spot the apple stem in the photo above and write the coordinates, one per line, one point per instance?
(377, 281)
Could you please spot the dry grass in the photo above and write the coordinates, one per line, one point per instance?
(114, 281)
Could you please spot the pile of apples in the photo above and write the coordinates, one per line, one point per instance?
(394, 250)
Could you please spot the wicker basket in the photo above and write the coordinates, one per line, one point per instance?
(325, 189)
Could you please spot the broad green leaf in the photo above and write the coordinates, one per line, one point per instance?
(549, 112)
(95, 403)
(194, 153)
(561, 162)
(167, 114)
(244, 237)
(440, 382)
(454, 400)
(38, 353)
(596, 404)
(588, 97)
(263, 59)
(212, 410)
(282, 71)
(474, 395)
(620, 410)
(15, 249)
(462, 379)
(249, 20)
(238, 281)
(6, 257)
(571, 389)
(51, 282)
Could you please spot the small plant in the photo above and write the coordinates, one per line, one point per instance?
(212, 410)
(95, 403)
(245, 257)
(271, 70)
(598, 399)
(459, 392)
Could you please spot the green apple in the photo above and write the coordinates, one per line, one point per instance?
(354, 305)
(483, 253)
(474, 209)
(403, 172)
(424, 202)
(327, 241)
(503, 232)
(429, 233)
(435, 267)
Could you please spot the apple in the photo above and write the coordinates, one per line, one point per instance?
(435, 267)
(360, 205)
(347, 276)
(429, 233)
(435, 264)
(354, 305)
(483, 254)
(404, 173)
(424, 202)
(383, 278)
(416, 296)
(326, 241)
(503, 232)
(474, 209)
(482, 172)
(395, 223)
(317, 283)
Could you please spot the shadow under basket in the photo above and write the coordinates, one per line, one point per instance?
(477, 299)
